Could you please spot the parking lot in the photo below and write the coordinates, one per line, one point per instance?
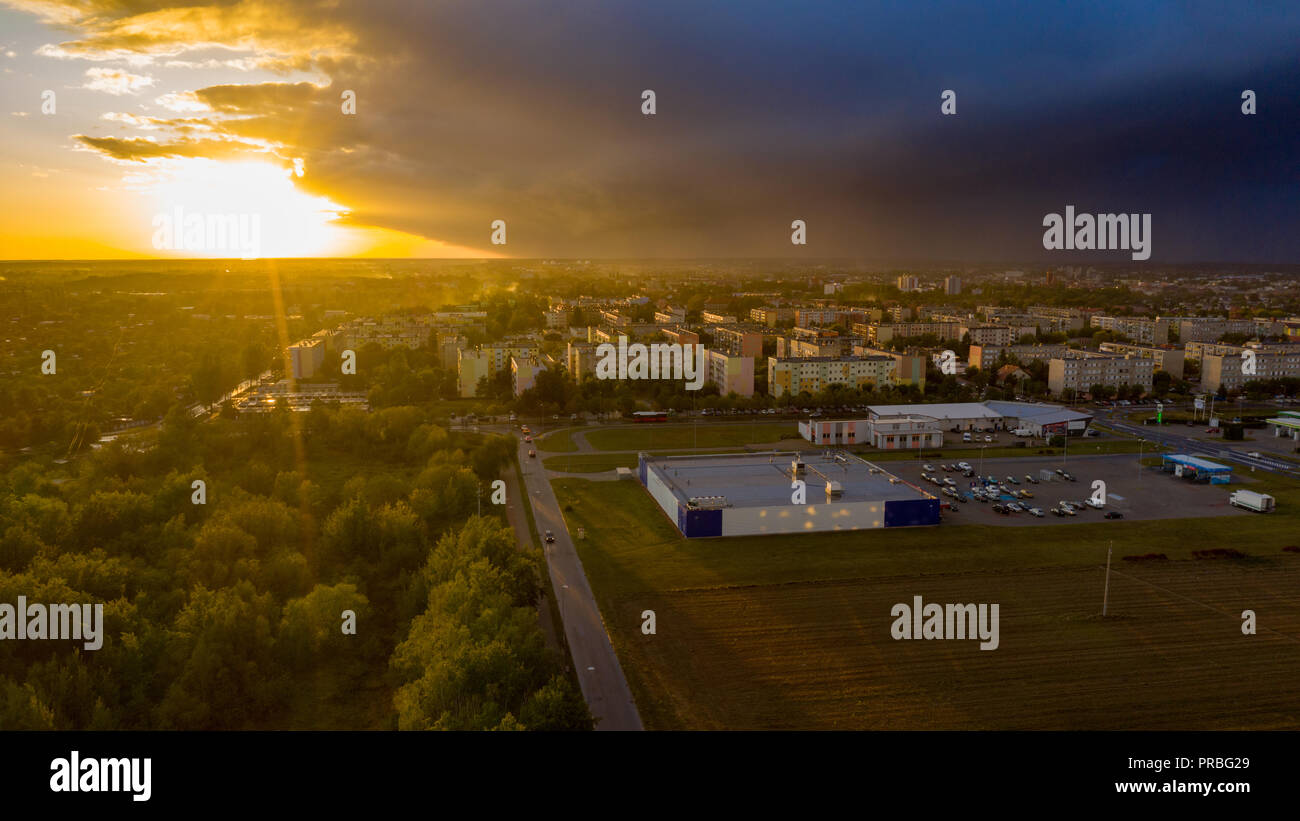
(1137, 493)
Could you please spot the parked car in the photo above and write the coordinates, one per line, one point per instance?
(1068, 477)
(1030, 479)
(1033, 511)
(1114, 514)
(1013, 480)
(1024, 494)
(1094, 504)
(928, 468)
(963, 466)
(988, 438)
(1056, 511)
(1014, 507)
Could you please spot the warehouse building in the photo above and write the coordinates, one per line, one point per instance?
(752, 494)
(992, 415)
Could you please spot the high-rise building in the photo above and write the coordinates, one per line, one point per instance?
(732, 374)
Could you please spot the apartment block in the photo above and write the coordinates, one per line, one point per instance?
(737, 341)
(810, 317)
(829, 345)
(1138, 329)
(1080, 370)
(1232, 366)
(523, 373)
(909, 367)
(985, 356)
(811, 374)
(879, 334)
(1169, 360)
(306, 357)
(488, 360)
(732, 374)
(670, 315)
(771, 317)
(580, 360)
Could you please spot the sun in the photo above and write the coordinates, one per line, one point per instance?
(258, 201)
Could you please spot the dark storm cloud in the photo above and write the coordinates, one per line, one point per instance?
(768, 112)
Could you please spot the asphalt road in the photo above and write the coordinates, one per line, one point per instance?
(1171, 435)
(603, 685)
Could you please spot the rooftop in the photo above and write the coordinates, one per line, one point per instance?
(763, 479)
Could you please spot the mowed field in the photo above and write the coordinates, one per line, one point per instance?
(794, 631)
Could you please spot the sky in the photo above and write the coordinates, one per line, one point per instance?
(531, 113)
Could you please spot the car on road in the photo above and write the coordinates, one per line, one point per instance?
(532, 454)
(1114, 514)
(1254, 454)
(550, 537)
(528, 438)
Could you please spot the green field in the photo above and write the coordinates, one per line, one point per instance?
(561, 441)
(598, 462)
(703, 435)
(793, 630)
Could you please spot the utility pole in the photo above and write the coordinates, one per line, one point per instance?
(1105, 596)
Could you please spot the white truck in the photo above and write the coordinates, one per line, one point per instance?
(1250, 500)
(1022, 432)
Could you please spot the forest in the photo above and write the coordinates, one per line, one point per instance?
(230, 614)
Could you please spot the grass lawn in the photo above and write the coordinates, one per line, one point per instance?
(598, 462)
(561, 441)
(708, 435)
(793, 630)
